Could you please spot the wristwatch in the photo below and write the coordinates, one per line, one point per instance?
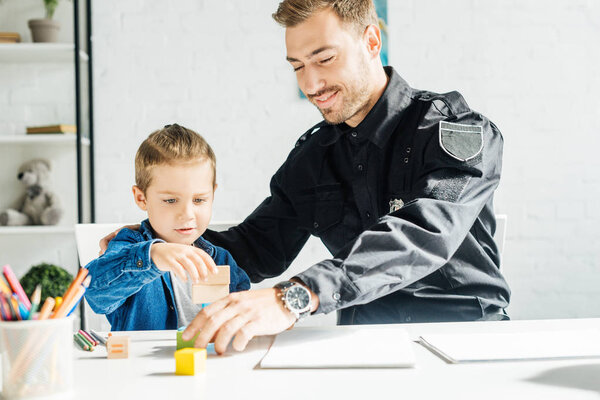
(296, 298)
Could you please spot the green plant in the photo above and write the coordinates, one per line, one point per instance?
(50, 6)
(54, 280)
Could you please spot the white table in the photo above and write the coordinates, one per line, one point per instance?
(149, 373)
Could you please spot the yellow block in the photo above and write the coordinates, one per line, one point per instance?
(190, 361)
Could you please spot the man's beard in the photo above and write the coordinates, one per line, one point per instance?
(355, 100)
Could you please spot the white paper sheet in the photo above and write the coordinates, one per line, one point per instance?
(341, 347)
(537, 345)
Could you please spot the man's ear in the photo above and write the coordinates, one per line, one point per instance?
(372, 38)
(139, 197)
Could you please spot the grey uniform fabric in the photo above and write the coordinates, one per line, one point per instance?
(404, 203)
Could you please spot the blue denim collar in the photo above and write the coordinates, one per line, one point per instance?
(148, 234)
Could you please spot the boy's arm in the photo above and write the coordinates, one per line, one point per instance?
(120, 272)
(239, 280)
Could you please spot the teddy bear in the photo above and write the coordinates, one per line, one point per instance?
(39, 205)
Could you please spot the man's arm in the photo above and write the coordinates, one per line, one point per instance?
(400, 249)
(265, 243)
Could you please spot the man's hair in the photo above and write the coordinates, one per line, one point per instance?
(169, 145)
(359, 13)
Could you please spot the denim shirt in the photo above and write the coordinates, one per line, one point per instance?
(132, 292)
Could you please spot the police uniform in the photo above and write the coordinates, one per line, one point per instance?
(404, 204)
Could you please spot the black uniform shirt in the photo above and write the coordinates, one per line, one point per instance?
(403, 202)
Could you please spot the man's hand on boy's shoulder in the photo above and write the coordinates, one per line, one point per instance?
(106, 239)
(183, 260)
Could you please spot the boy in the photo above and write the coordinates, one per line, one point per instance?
(141, 282)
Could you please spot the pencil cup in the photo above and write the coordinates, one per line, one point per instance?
(37, 359)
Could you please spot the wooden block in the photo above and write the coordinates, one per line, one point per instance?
(117, 347)
(222, 277)
(190, 361)
(208, 293)
(182, 344)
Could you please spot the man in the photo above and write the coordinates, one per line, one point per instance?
(398, 184)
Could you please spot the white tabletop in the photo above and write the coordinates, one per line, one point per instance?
(148, 373)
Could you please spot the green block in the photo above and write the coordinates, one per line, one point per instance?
(182, 344)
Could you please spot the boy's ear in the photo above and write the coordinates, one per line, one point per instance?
(139, 197)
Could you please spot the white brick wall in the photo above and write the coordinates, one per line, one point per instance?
(219, 68)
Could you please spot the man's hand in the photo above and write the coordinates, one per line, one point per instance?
(243, 315)
(182, 258)
(104, 241)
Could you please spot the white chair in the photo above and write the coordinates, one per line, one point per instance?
(87, 237)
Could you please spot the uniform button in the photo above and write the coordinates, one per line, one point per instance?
(408, 319)
(360, 167)
(406, 160)
(368, 214)
(408, 149)
(315, 224)
(354, 134)
(336, 296)
(171, 307)
(140, 263)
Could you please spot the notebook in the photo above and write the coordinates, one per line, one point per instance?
(341, 347)
(532, 345)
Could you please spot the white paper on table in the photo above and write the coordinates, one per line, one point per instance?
(341, 347)
(513, 346)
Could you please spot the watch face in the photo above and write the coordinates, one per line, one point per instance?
(297, 298)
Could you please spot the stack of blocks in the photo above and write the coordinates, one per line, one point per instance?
(190, 360)
(117, 346)
(213, 289)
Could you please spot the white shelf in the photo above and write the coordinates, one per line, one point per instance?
(46, 139)
(35, 230)
(39, 52)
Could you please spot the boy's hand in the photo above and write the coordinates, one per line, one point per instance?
(181, 258)
(106, 239)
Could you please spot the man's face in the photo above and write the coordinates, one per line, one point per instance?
(178, 200)
(331, 66)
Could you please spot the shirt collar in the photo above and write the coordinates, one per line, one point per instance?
(380, 122)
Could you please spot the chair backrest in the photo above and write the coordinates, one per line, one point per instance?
(87, 237)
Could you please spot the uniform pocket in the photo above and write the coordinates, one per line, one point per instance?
(321, 209)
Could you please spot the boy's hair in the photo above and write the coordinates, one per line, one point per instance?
(359, 13)
(168, 145)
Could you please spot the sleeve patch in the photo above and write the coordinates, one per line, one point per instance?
(461, 142)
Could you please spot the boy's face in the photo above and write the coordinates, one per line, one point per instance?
(179, 200)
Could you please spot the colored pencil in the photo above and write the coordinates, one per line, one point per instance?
(75, 286)
(35, 300)
(4, 286)
(89, 337)
(22, 310)
(98, 336)
(85, 340)
(14, 304)
(57, 302)
(5, 308)
(81, 342)
(85, 284)
(15, 285)
(46, 308)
